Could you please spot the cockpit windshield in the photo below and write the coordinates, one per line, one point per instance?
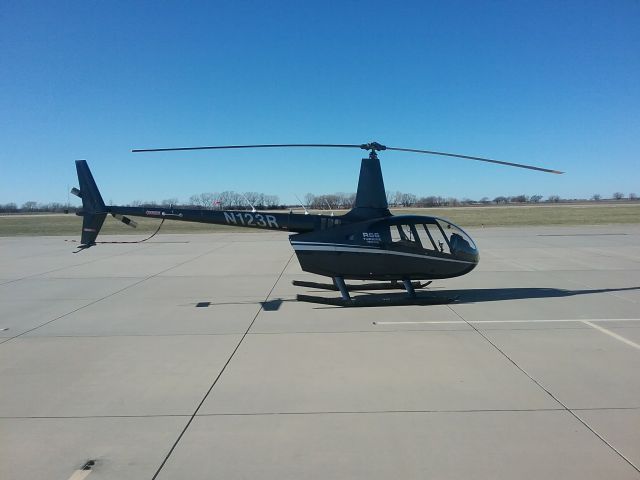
(457, 239)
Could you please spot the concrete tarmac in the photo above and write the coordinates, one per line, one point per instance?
(188, 357)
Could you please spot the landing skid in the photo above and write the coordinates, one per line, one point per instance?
(383, 300)
(363, 286)
(378, 300)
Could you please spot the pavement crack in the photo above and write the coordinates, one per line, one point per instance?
(218, 247)
(215, 381)
(548, 392)
(33, 275)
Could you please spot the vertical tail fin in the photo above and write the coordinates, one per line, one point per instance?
(371, 198)
(94, 210)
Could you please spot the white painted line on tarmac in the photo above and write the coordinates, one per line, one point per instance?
(476, 322)
(80, 475)
(612, 334)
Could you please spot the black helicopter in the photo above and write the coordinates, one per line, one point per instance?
(366, 243)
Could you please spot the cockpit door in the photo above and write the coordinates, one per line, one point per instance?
(404, 235)
(438, 237)
(427, 241)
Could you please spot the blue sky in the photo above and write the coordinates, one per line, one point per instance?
(551, 83)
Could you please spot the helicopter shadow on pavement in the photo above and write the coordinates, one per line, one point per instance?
(268, 306)
(466, 296)
(478, 295)
(475, 295)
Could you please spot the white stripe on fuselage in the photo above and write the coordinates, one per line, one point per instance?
(349, 245)
(338, 247)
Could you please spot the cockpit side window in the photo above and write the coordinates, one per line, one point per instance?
(425, 238)
(395, 233)
(404, 235)
(439, 238)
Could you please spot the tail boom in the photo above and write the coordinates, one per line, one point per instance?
(291, 222)
(94, 211)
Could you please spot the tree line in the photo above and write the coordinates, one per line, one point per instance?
(209, 200)
(230, 200)
(233, 200)
(34, 207)
(400, 199)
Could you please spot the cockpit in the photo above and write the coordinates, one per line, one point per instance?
(432, 234)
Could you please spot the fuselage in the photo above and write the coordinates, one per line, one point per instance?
(390, 248)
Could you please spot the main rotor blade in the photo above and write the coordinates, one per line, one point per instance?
(374, 146)
(467, 157)
(270, 145)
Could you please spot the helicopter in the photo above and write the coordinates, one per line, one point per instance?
(367, 243)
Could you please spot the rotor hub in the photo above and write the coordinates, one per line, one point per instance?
(373, 147)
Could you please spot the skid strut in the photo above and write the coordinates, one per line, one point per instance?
(342, 287)
(409, 288)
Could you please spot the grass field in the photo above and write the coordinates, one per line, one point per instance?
(585, 214)
(33, 225)
(588, 214)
